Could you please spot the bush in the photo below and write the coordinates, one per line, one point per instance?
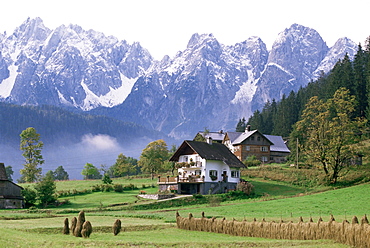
(245, 187)
(29, 196)
(96, 188)
(118, 188)
(198, 196)
(106, 179)
(107, 188)
(129, 187)
(251, 161)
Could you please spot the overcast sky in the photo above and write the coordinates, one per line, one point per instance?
(165, 26)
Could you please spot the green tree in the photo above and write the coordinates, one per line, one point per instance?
(29, 196)
(240, 127)
(51, 174)
(153, 157)
(9, 172)
(327, 133)
(359, 67)
(91, 172)
(61, 174)
(45, 190)
(123, 166)
(106, 179)
(31, 147)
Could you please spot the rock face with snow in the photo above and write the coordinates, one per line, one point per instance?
(206, 85)
(68, 66)
(212, 85)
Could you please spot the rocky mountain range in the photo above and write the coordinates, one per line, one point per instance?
(207, 84)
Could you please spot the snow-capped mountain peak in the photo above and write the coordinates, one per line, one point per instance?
(207, 84)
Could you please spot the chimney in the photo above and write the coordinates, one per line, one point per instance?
(248, 128)
(209, 140)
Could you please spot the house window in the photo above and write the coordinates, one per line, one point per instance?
(247, 148)
(198, 172)
(184, 159)
(264, 149)
(258, 138)
(264, 159)
(235, 173)
(213, 175)
(252, 138)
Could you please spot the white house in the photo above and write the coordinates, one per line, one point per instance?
(203, 168)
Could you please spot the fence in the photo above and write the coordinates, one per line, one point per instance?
(354, 234)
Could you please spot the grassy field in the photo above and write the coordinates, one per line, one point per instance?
(156, 227)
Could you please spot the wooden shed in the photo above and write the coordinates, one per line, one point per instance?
(10, 193)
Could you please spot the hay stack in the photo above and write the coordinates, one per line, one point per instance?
(73, 225)
(116, 227)
(354, 220)
(86, 229)
(66, 227)
(364, 220)
(80, 222)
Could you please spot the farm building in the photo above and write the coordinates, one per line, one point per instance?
(266, 148)
(10, 193)
(203, 168)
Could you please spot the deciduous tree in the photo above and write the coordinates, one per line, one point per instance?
(91, 172)
(327, 133)
(45, 190)
(153, 157)
(124, 166)
(31, 146)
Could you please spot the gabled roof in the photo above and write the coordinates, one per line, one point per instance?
(279, 144)
(216, 136)
(237, 138)
(214, 151)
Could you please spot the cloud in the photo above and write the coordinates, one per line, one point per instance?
(100, 142)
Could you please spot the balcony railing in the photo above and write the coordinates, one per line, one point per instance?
(180, 179)
(196, 164)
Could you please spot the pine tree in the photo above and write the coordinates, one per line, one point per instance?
(240, 127)
(359, 66)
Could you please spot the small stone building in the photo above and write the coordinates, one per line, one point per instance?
(10, 193)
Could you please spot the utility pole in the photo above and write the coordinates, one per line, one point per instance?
(297, 154)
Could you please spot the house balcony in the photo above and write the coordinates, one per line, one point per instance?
(180, 179)
(197, 164)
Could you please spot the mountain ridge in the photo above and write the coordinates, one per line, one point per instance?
(208, 84)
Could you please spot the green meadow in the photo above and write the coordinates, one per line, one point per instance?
(155, 226)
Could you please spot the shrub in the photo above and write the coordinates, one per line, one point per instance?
(245, 187)
(129, 187)
(118, 188)
(106, 179)
(29, 196)
(107, 188)
(252, 161)
(198, 196)
(96, 188)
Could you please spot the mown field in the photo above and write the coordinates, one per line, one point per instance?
(155, 225)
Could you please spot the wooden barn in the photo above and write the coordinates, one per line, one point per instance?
(10, 193)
